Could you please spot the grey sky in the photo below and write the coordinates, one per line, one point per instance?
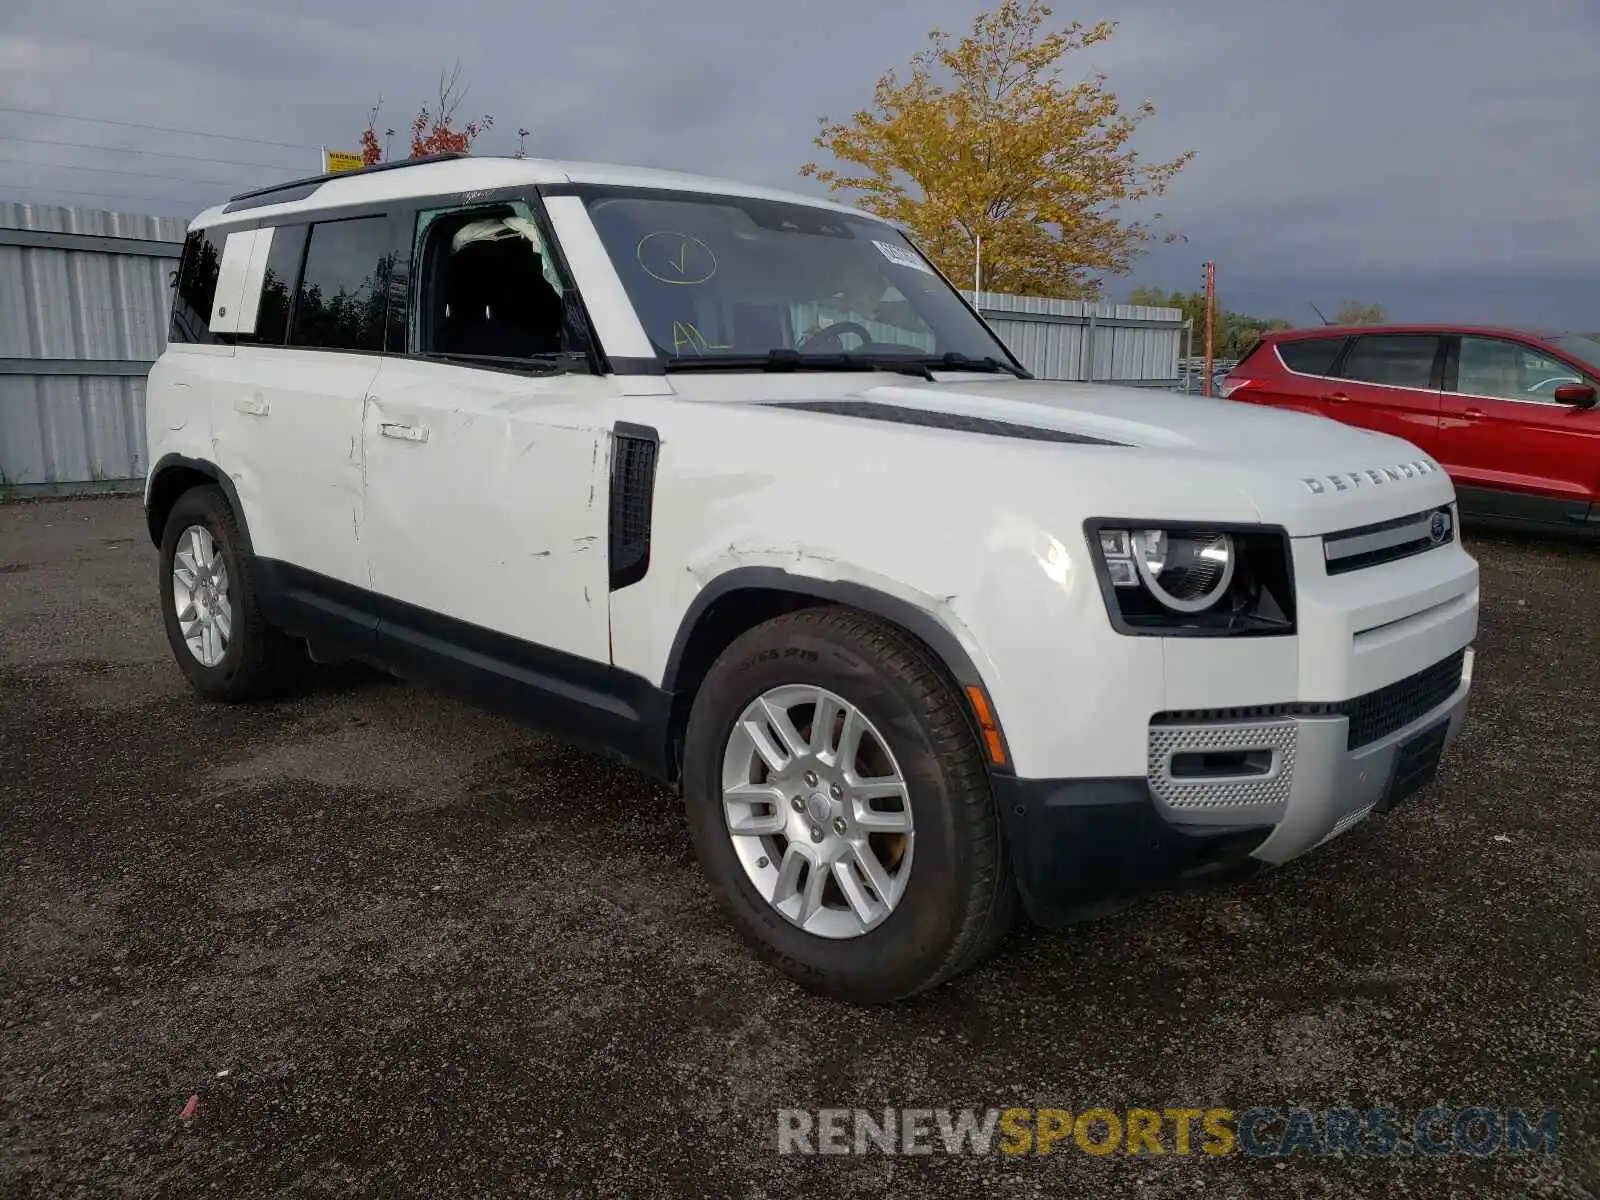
(1439, 155)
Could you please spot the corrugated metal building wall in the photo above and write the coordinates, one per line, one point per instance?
(84, 298)
(1133, 344)
(83, 313)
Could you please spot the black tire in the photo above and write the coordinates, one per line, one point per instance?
(961, 898)
(259, 661)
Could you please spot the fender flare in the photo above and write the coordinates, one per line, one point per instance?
(916, 621)
(209, 469)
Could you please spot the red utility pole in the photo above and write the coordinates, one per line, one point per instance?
(1211, 303)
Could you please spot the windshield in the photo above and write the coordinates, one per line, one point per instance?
(1585, 349)
(717, 277)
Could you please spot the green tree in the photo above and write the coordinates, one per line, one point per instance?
(1233, 334)
(984, 140)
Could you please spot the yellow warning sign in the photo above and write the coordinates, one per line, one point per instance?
(341, 160)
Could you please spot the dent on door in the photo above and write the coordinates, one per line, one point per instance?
(490, 509)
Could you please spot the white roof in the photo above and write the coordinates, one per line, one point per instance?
(483, 174)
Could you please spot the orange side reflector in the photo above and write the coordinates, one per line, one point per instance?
(991, 733)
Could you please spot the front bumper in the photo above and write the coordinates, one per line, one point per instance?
(1310, 773)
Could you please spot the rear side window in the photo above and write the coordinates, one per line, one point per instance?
(196, 289)
(278, 286)
(344, 290)
(1396, 360)
(1310, 356)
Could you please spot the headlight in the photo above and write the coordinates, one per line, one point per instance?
(1188, 579)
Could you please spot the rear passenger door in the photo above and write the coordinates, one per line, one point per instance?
(289, 434)
(1391, 383)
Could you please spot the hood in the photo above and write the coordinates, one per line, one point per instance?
(1146, 418)
(1311, 474)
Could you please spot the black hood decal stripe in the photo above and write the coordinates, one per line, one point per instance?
(933, 419)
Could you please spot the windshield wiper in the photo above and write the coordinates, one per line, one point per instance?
(954, 360)
(793, 360)
(558, 363)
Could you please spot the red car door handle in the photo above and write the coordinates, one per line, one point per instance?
(1474, 412)
(1336, 397)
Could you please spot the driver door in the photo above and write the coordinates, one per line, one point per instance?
(1503, 437)
(487, 447)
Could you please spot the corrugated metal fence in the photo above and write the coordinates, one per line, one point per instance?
(83, 314)
(1076, 339)
(84, 298)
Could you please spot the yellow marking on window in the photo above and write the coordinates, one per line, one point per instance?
(677, 258)
(686, 333)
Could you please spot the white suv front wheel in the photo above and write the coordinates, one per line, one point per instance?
(817, 810)
(839, 804)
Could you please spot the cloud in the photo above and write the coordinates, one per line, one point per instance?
(1365, 137)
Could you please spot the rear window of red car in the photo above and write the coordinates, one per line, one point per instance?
(1310, 356)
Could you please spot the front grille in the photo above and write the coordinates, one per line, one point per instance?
(1387, 541)
(1373, 716)
(1378, 714)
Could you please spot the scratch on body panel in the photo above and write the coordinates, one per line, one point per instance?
(367, 401)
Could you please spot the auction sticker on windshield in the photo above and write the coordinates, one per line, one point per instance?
(901, 257)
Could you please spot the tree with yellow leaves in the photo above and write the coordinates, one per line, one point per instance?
(985, 141)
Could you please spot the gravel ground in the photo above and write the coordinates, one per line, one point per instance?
(393, 946)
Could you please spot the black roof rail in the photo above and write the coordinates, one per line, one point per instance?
(313, 180)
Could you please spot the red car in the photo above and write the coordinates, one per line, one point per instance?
(1510, 415)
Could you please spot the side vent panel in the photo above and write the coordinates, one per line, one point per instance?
(633, 487)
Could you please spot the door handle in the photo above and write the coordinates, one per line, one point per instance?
(1335, 397)
(252, 406)
(1474, 412)
(405, 433)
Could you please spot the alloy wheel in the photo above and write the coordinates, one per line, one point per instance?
(818, 810)
(200, 595)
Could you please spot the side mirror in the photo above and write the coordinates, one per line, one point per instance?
(1579, 395)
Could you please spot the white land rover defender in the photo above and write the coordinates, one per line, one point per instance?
(732, 484)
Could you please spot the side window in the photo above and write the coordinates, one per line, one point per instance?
(196, 288)
(487, 286)
(344, 290)
(1394, 360)
(1510, 371)
(1310, 356)
(278, 286)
